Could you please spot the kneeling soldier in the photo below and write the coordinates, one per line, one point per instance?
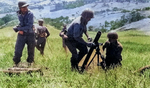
(113, 51)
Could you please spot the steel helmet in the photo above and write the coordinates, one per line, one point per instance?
(87, 14)
(112, 35)
(22, 4)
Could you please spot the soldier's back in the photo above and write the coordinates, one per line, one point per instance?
(41, 30)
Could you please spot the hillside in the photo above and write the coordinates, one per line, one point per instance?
(109, 11)
(55, 64)
(103, 12)
(142, 25)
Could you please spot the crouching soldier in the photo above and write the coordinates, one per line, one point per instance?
(42, 34)
(75, 40)
(113, 51)
(25, 34)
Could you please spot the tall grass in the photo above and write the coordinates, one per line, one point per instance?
(55, 64)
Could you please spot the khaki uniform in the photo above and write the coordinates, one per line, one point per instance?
(113, 54)
(41, 34)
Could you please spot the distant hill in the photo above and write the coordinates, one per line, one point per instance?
(105, 10)
(142, 25)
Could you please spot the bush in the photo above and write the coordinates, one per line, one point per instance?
(91, 28)
(103, 29)
(124, 11)
(78, 3)
(7, 19)
(133, 16)
(138, 9)
(149, 16)
(146, 8)
(1, 22)
(115, 9)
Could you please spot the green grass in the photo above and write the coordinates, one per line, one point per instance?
(135, 54)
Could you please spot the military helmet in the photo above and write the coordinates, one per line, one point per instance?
(112, 35)
(22, 4)
(87, 14)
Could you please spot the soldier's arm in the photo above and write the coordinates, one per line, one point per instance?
(48, 33)
(28, 25)
(61, 34)
(120, 48)
(105, 45)
(77, 34)
(86, 33)
(119, 51)
(37, 33)
(88, 37)
(118, 56)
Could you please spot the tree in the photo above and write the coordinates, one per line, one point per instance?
(7, 18)
(90, 28)
(1, 22)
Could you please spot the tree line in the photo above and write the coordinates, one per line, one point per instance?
(7, 18)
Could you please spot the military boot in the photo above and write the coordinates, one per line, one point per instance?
(16, 64)
(30, 64)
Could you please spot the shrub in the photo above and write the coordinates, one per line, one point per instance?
(1, 22)
(132, 17)
(124, 11)
(146, 8)
(115, 9)
(78, 3)
(149, 16)
(90, 28)
(103, 29)
(135, 16)
(7, 19)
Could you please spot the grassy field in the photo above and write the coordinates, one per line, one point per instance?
(55, 64)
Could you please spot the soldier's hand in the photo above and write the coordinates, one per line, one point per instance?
(102, 57)
(90, 44)
(21, 32)
(65, 37)
(15, 29)
(89, 39)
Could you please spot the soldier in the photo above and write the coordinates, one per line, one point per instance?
(74, 38)
(61, 34)
(113, 51)
(25, 34)
(42, 34)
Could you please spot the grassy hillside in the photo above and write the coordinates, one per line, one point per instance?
(55, 64)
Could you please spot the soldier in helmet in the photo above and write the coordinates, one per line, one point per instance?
(74, 38)
(25, 34)
(113, 51)
(42, 34)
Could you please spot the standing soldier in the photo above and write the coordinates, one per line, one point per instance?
(61, 34)
(42, 34)
(113, 51)
(75, 40)
(25, 34)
